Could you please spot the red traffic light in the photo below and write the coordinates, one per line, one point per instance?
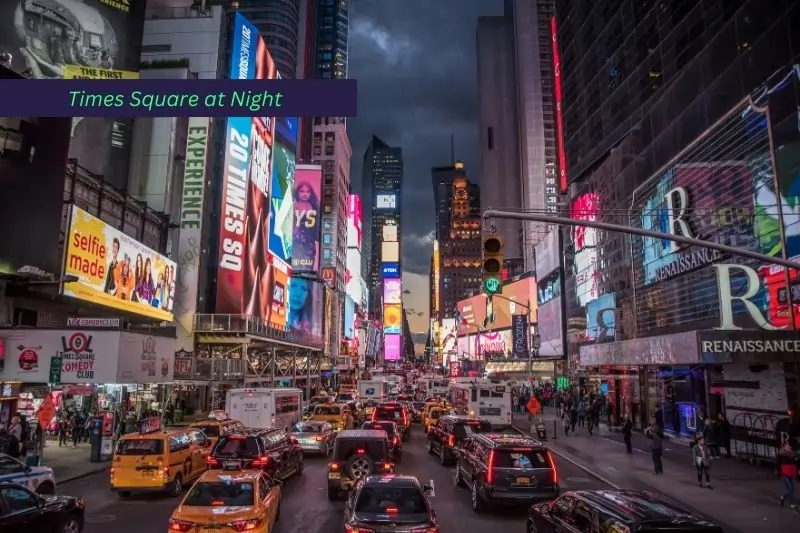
(492, 245)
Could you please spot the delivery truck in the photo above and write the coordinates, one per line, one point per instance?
(264, 408)
(373, 389)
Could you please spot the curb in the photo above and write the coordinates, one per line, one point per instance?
(82, 475)
(585, 468)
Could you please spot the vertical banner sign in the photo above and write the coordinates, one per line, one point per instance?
(519, 336)
(194, 184)
(562, 157)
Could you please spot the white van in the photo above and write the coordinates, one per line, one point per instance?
(434, 386)
(372, 389)
(490, 401)
(264, 408)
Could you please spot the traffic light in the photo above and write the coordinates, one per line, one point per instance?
(492, 265)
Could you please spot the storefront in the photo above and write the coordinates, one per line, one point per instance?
(9, 400)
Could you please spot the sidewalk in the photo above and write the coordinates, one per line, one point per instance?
(743, 495)
(70, 464)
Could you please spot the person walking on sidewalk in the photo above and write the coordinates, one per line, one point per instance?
(573, 417)
(656, 436)
(787, 467)
(702, 460)
(724, 440)
(627, 433)
(565, 421)
(582, 413)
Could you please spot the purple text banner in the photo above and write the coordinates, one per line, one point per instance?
(175, 98)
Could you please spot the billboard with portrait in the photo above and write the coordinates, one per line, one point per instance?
(116, 271)
(305, 239)
(281, 206)
(393, 291)
(87, 39)
(390, 233)
(390, 252)
(392, 319)
(584, 240)
(306, 306)
(349, 330)
(386, 201)
(601, 317)
(354, 221)
(353, 275)
(392, 347)
(245, 274)
(449, 334)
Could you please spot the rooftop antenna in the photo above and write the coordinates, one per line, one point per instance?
(452, 150)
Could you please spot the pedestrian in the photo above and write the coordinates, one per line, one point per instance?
(77, 428)
(787, 467)
(709, 435)
(724, 434)
(627, 433)
(565, 421)
(656, 436)
(609, 412)
(573, 418)
(701, 457)
(63, 427)
(581, 414)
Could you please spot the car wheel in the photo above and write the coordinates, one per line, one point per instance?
(457, 481)
(429, 446)
(46, 489)
(530, 527)
(71, 525)
(176, 487)
(443, 456)
(333, 494)
(477, 503)
(360, 466)
(300, 466)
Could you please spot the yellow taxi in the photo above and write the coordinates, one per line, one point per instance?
(158, 460)
(368, 407)
(242, 500)
(338, 415)
(214, 428)
(434, 414)
(426, 412)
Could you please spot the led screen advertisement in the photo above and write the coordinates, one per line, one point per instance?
(449, 334)
(306, 235)
(354, 221)
(392, 347)
(353, 275)
(281, 207)
(349, 330)
(387, 200)
(115, 270)
(390, 270)
(247, 280)
(392, 291)
(518, 298)
(390, 252)
(557, 91)
(551, 329)
(601, 317)
(392, 319)
(306, 306)
(584, 240)
(548, 254)
(390, 233)
(487, 345)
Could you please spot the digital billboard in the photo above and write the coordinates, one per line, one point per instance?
(548, 254)
(584, 240)
(306, 306)
(390, 252)
(557, 91)
(386, 201)
(306, 235)
(551, 329)
(281, 207)
(349, 330)
(88, 39)
(354, 221)
(392, 291)
(353, 275)
(247, 280)
(449, 334)
(390, 233)
(390, 270)
(392, 319)
(601, 319)
(115, 270)
(488, 344)
(392, 347)
(518, 298)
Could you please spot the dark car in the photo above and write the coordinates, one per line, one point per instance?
(357, 453)
(505, 469)
(394, 412)
(272, 450)
(450, 431)
(395, 443)
(380, 504)
(22, 511)
(616, 510)
(416, 412)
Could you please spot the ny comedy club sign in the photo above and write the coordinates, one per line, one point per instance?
(678, 208)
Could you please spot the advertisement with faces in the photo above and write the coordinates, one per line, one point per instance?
(88, 356)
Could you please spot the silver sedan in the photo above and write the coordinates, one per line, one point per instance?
(314, 436)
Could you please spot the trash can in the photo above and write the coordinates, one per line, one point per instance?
(541, 431)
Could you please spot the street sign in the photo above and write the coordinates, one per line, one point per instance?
(46, 412)
(533, 406)
(55, 370)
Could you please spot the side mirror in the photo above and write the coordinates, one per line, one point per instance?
(427, 490)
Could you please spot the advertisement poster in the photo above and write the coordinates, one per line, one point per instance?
(390, 270)
(305, 240)
(493, 344)
(551, 329)
(585, 207)
(191, 231)
(386, 201)
(601, 319)
(392, 349)
(392, 319)
(353, 275)
(281, 208)
(306, 306)
(72, 39)
(245, 276)
(390, 233)
(145, 359)
(354, 222)
(349, 318)
(279, 297)
(392, 291)
(390, 252)
(449, 336)
(519, 336)
(116, 271)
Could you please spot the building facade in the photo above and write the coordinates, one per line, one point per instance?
(333, 23)
(280, 23)
(682, 118)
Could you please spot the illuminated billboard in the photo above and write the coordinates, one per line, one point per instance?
(584, 241)
(558, 93)
(390, 252)
(281, 205)
(392, 347)
(307, 225)
(449, 334)
(390, 270)
(354, 222)
(349, 330)
(386, 201)
(353, 275)
(392, 291)
(436, 279)
(306, 306)
(390, 233)
(601, 318)
(392, 319)
(518, 298)
(550, 329)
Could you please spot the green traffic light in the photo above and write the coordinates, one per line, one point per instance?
(492, 286)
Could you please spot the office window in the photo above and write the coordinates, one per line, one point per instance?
(327, 254)
(327, 238)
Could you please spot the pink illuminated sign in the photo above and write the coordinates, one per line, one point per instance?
(391, 348)
(354, 221)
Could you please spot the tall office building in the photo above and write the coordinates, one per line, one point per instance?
(382, 182)
(442, 180)
(280, 23)
(536, 110)
(499, 126)
(306, 68)
(408, 338)
(333, 21)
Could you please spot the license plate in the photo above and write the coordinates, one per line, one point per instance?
(334, 475)
(148, 473)
(523, 480)
(230, 464)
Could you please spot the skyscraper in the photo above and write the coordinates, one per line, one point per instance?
(382, 181)
(279, 22)
(333, 20)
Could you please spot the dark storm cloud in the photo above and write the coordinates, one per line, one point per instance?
(416, 70)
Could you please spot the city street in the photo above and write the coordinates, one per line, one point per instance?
(306, 508)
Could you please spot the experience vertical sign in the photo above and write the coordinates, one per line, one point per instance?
(189, 249)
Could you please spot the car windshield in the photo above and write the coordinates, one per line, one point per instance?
(307, 428)
(389, 413)
(209, 430)
(326, 410)
(419, 406)
(388, 427)
(140, 447)
(345, 397)
(520, 458)
(436, 414)
(465, 429)
(221, 494)
(376, 499)
(371, 403)
(236, 446)
(9, 465)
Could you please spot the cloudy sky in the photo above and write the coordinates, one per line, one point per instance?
(416, 69)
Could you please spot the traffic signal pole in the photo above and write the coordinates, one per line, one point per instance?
(630, 230)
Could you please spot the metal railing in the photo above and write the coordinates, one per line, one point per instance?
(257, 327)
(211, 369)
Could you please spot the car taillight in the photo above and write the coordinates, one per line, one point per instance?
(246, 525)
(490, 469)
(333, 467)
(388, 466)
(319, 438)
(179, 525)
(426, 530)
(553, 469)
(165, 471)
(211, 462)
(451, 441)
(261, 462)
(397, 440)
(111, 472)
(351, 529)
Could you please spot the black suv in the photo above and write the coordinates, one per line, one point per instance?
(450, 431)
(390, 503)
(505, 469)
(357, 453)
(274, 451)
(616, 510)
(394, 412)
(395, 444)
